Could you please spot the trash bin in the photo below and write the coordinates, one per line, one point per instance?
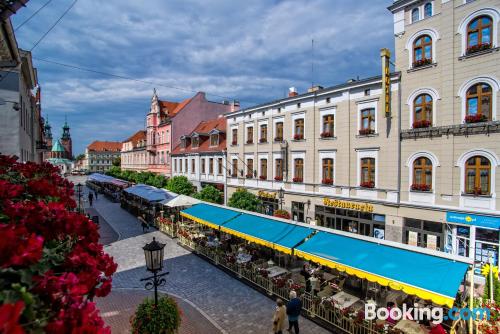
(95, 219)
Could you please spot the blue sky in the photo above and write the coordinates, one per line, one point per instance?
(246, 50)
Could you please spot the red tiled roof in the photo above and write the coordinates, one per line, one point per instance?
(167, 107)
(105, 146)
(204, 128)
(179, 107)
(136, 137)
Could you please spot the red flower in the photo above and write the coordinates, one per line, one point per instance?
(9, 318)
(367, 184)
(298, 136)
(421, 124)
(365, 132)
(9, 190)
(327, 181)
(297, 179)
(278, 178)
(476, 118)
(263, 177)
(420, 187)
(326, 134)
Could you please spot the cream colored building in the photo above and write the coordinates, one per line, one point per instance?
(133, 154)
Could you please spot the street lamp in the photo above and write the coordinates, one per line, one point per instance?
(281, 195)
(79, 192)
(153, 253)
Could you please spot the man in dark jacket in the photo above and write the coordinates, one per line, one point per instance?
(293, 309)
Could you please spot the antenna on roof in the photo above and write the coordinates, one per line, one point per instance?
(312, 62)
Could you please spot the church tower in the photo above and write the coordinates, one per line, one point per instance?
(66, 141)
(48, 138)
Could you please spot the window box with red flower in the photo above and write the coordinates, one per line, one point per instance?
(420, 187)
(327, 181)
(477, 118)
(478, 47)
(278, 139)
(422, 62)
(281, 214)
(422, 124)
(298, 136)
(263, 140)
(234, 142)
(278, 178)
(367, 184)
(249, 176)
(297, 179)
(365, 132)
(326, 134)
(263, 177)
(249, 141)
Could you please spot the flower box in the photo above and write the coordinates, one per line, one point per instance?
(297, 179)
(479, 47)
(282, 214)
(476, 118)
(421, 124)
(263, 177)
(234, 142)
(250, 141)
(234, 175)
(278, 139)
(263, 140)
(422, 62)
(278, 178)
(249, 176)
(368, 184)
(298, 136)
(420, 187)
(326, 134)
(327, 181)
(365, 132)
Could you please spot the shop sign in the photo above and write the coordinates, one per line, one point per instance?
(264, 194)
(348, 205)
(468, 219)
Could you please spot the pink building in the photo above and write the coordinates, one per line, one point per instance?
(168, 121)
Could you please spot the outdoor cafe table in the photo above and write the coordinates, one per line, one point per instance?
(276, 271)
(243, 258)
(410, 327)
(344, 300)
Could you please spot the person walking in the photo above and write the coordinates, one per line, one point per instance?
(279, 317)
(144, 223)
(95, 193)
(91, 198)
(293, 309)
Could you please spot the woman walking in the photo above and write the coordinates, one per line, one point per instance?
(279, 317)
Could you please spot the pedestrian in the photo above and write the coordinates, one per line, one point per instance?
(91, 198)
(279, 317)
(95, 192)
(144, 224)
(293, 309)
(305, 272)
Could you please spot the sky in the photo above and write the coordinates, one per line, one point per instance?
(251, 51)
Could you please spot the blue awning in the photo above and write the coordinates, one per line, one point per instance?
(429, 277)
(150, 193)
(209, 215)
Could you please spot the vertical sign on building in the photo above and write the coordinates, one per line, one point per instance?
(385, 54)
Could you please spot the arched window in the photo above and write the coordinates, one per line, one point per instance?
(422, 51)
(422, 111)
(428, 10)
(478, 103)
(415, 15)
(479, 34)
(422, 174)
(477, 175)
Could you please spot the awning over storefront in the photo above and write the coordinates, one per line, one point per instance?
(268, 232)
(476, 220)
(181, 200)
(149, 193)
(426, 276)
(210, 215)
(102, 178)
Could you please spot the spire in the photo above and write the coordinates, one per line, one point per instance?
(65, 134)
(47, 128)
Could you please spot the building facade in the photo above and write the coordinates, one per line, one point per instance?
(201, 155)
(65, 142)
(133, 153)
(99, 155)
(168, 121)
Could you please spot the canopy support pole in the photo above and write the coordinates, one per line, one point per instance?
(471, 299)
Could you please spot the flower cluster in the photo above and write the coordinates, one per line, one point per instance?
(367, 184)
(263, 177)
(52, 254)
(184, 233)
(282, 214)
(326, 134)
(478, 47)
(365, 132)
(298, 136)
(249, 176)
(420, 187)
(279, 282)
(263, 140)
(477, 118)
(297, 179)
(164, 221)
(278, 178)
(421, 124)
(234, 142)
(327, 181)
(278, 139)
(250, 141)
(422, 62)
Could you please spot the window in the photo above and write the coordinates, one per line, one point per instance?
(367, 121)
(367, 92)
(185, 166)
(211, 165)
(250, 135)
(234, 136)
(415, 15)
(367, 172)
(422, 51)
(428, 10)
(478, 103)
(298, 105)
(298, 211)
(214, 140)
(298, 170)
(328, 99)
(263, 133)
(263, 169)
(299, 129)
(327, 126)
(183, 143)
(423, 233)
(220, 167)
(193, 166)
(279, 170)
(203, 168)
(479, 34)
(235, 168)
(477, 176)
(327, 171)
(422, 174)
(279, 131)
(249, 168)
(422, 111)
(195, 142)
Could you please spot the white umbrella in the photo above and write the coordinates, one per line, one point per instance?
(182, 200)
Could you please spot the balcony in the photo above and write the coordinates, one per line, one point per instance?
(466, 129)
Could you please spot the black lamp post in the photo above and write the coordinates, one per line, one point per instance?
(281, 195)
(79, 193)
(153, 253)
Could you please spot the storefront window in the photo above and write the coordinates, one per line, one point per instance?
(298, 212)
(423, 233)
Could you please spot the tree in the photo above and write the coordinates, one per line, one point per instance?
(245, 200)
(117, 161)
(180, 185)
(210, 194)
(80, 156)
(164, 318)
(114, 171)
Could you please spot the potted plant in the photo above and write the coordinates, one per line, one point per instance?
(297, 179)
(278, 178)
(422, 62)
(365, 132)
(420, 187)
(263, 177)
(478, 47)
(165, 317)
(327, 181)
(249, 141)
(421, 124)
(263, 140)
(298, 136)
(477, 118)
(281, 214)
(234, 142)
(367, 184)
(326, 134)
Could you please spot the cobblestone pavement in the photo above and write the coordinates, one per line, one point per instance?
(234, 306)
(107, 234)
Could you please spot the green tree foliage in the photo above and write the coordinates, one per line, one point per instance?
(210, 194)
(80, 156)
(117, 161)
(180, 185)
(149, 178)
(245, 200)
(148, 319)
(496, 290)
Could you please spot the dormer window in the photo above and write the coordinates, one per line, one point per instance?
(183, 142)
(214, 139)
(195, 142)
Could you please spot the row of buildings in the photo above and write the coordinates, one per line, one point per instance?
(410, 156)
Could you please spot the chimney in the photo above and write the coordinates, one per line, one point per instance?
(292, 91)
(235, 105)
